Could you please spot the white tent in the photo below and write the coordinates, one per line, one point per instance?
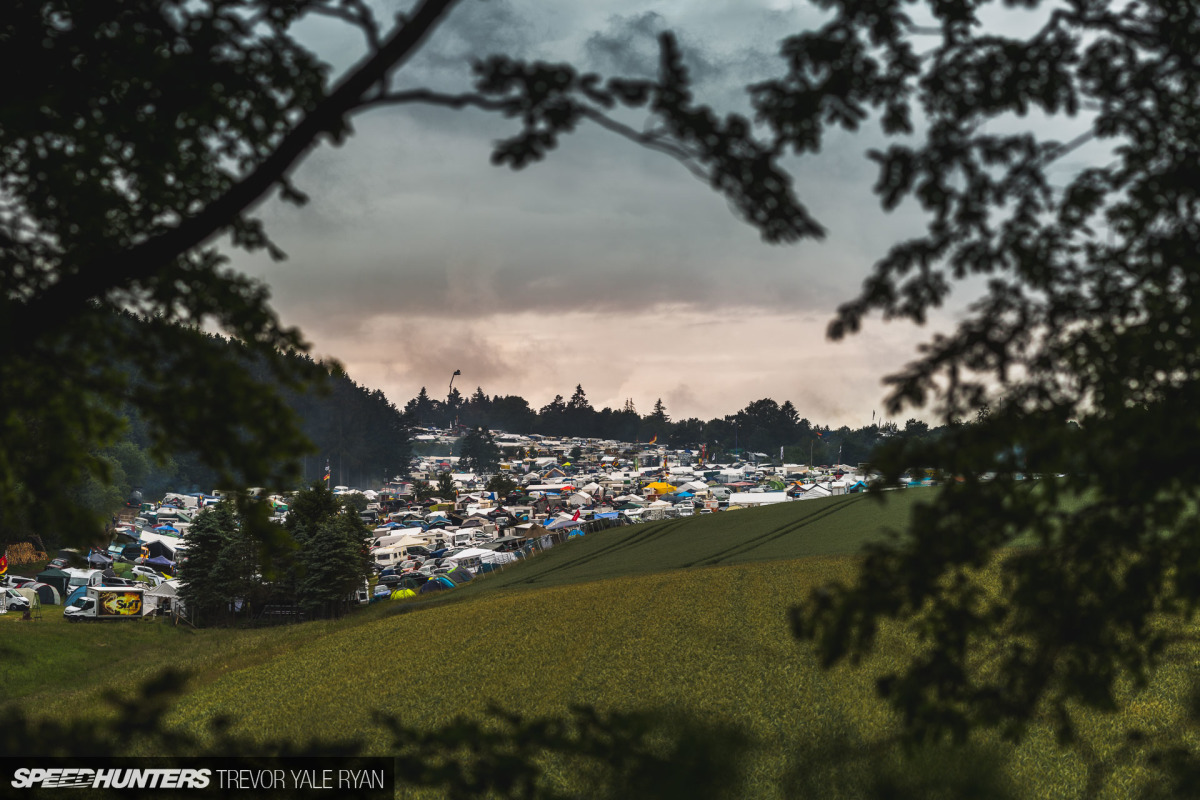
(484, 555)
(405, 537)
(814, 492)
(756, 498)
(173, 542)
(164, 596)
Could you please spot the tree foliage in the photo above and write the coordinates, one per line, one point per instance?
(237, 562)
(478, 451)
(1089, 316)
(135, 133)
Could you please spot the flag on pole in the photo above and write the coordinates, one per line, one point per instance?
(781, 452)
(652, 441)
(327, 473)
(576, 517)
(3, 564)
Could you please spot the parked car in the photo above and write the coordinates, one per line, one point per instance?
(58, 563)
(118, 582)
(14, 600)
(149, 573)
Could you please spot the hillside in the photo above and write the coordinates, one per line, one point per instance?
(832, 526)
(657, 655)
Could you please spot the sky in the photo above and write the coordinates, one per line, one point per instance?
(606, 265)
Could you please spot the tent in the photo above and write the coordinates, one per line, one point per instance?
(47, 594)
(99, 560)
(435, 585)
(79, 592)
(158, 548)
(460, 575)
(165, 595)
(55, 577)
(485, 555)
(400, 594)
(160, 563)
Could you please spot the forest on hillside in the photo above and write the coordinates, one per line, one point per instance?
(356, 431)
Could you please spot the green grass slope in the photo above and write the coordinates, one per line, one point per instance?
(662, 644)
(830, 526)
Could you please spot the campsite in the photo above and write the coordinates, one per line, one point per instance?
(685, 620)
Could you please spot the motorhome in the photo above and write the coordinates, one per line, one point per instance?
(83, 577)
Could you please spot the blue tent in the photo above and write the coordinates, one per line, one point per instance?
(159, 562)
(435, 584)
(459, 575)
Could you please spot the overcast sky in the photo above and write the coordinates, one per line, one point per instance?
(605, 265)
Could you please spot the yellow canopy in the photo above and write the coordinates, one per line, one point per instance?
(661, 488)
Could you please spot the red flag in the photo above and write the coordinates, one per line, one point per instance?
(576, 517)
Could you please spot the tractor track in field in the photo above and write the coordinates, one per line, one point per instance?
(623, 544)
(747, 545)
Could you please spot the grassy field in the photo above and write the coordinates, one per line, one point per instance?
(674, 636)
(833, 526)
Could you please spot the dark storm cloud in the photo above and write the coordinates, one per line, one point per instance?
(474, 30)
(415, 254)
(629, 47)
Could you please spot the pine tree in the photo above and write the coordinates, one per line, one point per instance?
(479, 451)
(202, 584)
(333, 564)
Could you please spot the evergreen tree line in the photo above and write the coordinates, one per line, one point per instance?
(357, 431)
(238, 563)
(763, 426)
